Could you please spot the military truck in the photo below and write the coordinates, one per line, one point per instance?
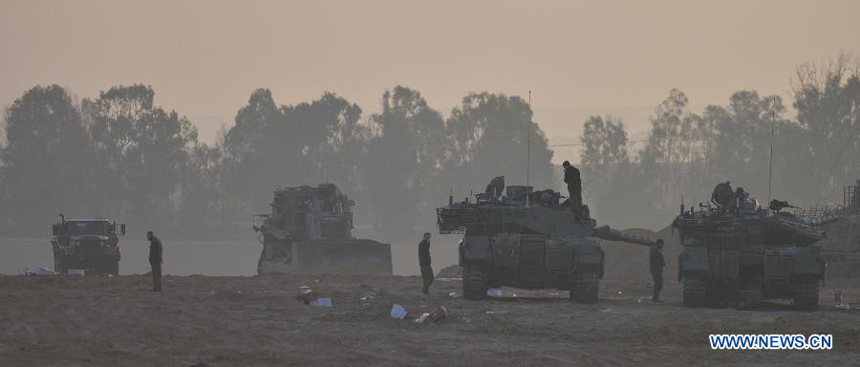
(310, 232)
(735, 252)
(529, 240)
(89, 244)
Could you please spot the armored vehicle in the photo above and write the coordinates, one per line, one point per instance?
(736, 252)
(310, 232)
(529, 240)
(91, 245)
(842, 245)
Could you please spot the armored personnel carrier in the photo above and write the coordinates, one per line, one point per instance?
(737, 252)
(310, 232)
(89, 244)
(527, 240)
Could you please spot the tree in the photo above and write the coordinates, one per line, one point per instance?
(47, 157)
(143, 152)
(493, 135)
(827, 100)
(404, 158)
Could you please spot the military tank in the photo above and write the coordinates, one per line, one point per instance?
(736, 252)
(529, 240)
(842, 245)
(310, 232)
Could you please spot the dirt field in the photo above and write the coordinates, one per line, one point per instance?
(255, 321)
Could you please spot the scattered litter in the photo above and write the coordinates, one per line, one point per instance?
(845, 304)
(75, 271)
(439, 314)
(398, 312)
(607, 310)
(367, 300)
(321, 302)
(454, 295)
(494, 292)
(44, 271)
(306, 295)
(423, 317)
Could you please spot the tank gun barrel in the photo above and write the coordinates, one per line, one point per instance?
(609, 234)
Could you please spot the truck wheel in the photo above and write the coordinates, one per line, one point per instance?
(585, 289)
(112, 267)
(475, 283)
(806, 296)
(694, 292)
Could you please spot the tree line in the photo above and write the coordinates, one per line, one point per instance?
(121, 156)
(815, 152)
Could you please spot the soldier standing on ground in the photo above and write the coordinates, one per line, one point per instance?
(657, 265)
(574, 187)
(155, 251)
(424, 261)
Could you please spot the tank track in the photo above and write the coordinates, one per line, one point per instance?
(475, 283)
(585, 288)
(806, 296)
(694, 292)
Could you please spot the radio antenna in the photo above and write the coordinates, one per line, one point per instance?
(770, 162)
(529, 144)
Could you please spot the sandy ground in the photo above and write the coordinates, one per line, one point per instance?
(256, 321)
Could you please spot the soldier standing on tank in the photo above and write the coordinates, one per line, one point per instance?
(155, 260)
(574, 187)
(424, 261)
(657, 265)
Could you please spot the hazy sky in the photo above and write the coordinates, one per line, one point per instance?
(203, 58)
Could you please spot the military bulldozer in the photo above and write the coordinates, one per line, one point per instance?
(310, 232)
(86, 244)
(529, 240)
(735, 252)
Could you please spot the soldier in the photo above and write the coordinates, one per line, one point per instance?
(424, 261)
(155, 251)
(657, 265)
(574, 187)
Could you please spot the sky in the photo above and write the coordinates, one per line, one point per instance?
(204, 58)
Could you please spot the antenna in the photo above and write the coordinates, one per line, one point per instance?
(529, 144)
(770, 163)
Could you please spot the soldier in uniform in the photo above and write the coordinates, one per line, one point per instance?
(657, 265)
(574, 187)
(424, 261)
(155, 252)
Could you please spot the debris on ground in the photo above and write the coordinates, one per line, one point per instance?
(367, 299)
(321, 302)
(398, 312)
(845, 303)
(454, 295)
(306, 295)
